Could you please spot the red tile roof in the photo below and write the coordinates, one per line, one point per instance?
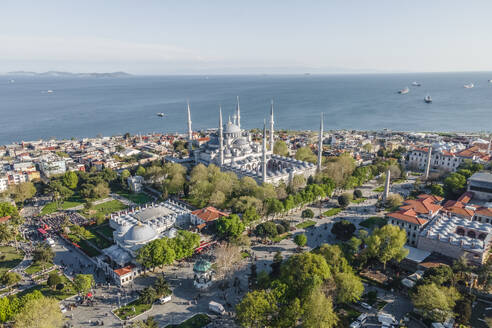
(209, 214)
(423, 204)
(122, 271)
(466, 197)
(484, 211)
(408, 215)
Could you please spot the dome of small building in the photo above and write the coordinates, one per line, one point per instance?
(139, 234)
(202, 266)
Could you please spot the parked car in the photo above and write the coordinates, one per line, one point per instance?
(164, 299)
(355, 324)
(365, 306)
(216, 307)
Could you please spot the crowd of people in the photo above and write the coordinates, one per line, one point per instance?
(57, 221)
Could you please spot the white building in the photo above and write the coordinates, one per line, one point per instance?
(480, 184)
(135, 183)
(4, 184)
(232, 149)
(50, 168)
(134, 229)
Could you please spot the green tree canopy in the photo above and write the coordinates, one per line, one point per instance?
(387, 244)
(300, 239)
(70, 180)
(306, 154)
(40, 313)
(83, 283)
(230, 226)
(22, 191)
(280, 148)
(435, 302)
(318, 311)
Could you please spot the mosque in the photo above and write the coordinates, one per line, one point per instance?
(232, 149)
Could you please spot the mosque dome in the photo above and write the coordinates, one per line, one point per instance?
(140, 234)
(232, 128)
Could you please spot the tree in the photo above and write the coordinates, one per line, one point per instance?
(230, 226)
(43, 255)
(83, 283)
(307, 213)
(70, 180)
(454, 185)
(227, 258)
(22, 191)
(162, 287)
(357, 193)
(250, 215)
(40, 313)
(256, 309)
(306, 154)
(334, 258)
(280, 148)
(437, 190)
(266, 229)
(318, 311)
(140, 171)
(276, 264)
(440, 275)
(344, 200)
(349, 287)
(298, 182)
(463, 309)
(300, 240)
(148, 295)
(10, 278)
(387, 243)
(54, 279)
(343, 230)
(394, 200)
(435, 302)
(7, 233)
(124, 175)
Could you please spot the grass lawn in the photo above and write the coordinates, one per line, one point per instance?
(104, 208)
(69, 203)
(332, 211)
(67, 291)
(139, 198)
(103, 229)
(126, 312)
(88, 249)
(359, 200)
(9, 258)
(283, 236)
(374, 222)
(305, 224)
(379, 189)
(196, 321)
(35, 268)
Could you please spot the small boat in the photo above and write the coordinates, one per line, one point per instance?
(49, 91)
(490, 81)
(428, 99)
(469, 86)
(404, 91)
(160, 114)
(12, 81)
(416, 84)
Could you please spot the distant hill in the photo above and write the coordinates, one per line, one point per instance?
(69, 74)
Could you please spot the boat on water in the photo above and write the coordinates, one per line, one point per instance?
(416, 84)
(160, 114)
(404, 91)
(12, 81)
(428, 99)
(469, 86)
(490, 81)
(49, 91)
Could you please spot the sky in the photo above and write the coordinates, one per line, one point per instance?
(242, 37)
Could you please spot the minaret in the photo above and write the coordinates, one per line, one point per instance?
(272, 141)
(221, 138)
(238, 113)
(428, 165)
(320, 145)
(387, 185)
(190, 132)
(488, 148)
(264, 163)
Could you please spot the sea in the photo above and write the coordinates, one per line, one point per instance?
(79, 107)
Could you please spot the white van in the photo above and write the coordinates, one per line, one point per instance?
(50, 242)
(164, 299)
(355, 324)
(362, 318)
(216, 307)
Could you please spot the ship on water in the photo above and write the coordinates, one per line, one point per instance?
(404, 91)
(416, 84)
(428, 99)
(469, 86)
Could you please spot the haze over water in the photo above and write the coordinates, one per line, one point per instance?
(86, 107)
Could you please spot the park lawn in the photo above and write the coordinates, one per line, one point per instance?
(88, 249)
(35, 268)
(359, 200)
(305, 224)
(67, 291)
(197, 321)
(126, 312)
(374, 222)
(281, 237)
(69, 203)
(103, 229)
(137, 198)
(332, 211)
(9, 258)
(104, 208)
(379, 189)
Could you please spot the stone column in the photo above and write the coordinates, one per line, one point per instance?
(429, 159)
(387, 185)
